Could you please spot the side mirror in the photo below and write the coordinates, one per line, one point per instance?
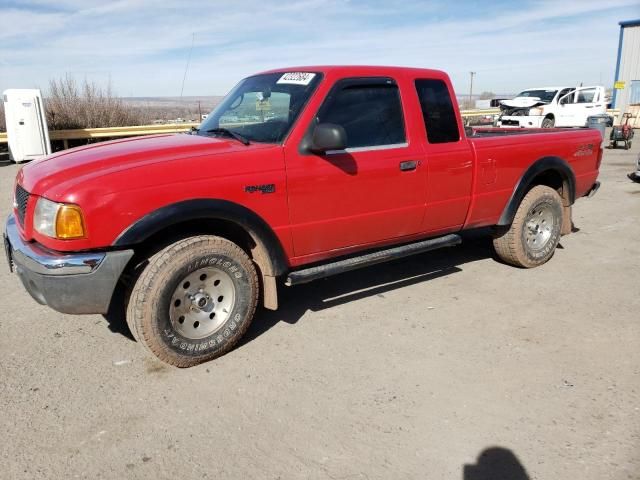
(328, 136)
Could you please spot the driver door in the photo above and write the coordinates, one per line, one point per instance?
(372, 191)
(564, 116)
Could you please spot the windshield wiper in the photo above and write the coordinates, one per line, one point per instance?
(230, 133)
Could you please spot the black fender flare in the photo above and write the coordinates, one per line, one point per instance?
(272, 254)
(544, 164)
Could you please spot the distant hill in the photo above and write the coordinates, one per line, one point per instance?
(171, 108)
(209, 102)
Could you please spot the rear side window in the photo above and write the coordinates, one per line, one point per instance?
(371, 113)
(437, 110)
(587, 95)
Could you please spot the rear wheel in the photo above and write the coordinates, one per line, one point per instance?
(194, 300)
(532, 238)
(548, 122)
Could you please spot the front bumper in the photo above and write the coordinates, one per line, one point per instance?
(520, 121)
(67, 282)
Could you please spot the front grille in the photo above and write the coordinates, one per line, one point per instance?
(21, 199)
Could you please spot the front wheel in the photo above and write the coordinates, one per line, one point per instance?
(535, 232)
(548, 123)
(194, 300)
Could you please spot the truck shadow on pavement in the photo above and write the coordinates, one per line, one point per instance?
(370, 281)
(495, 463)
(340, 289)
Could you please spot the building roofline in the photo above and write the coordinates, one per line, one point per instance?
(630, 23)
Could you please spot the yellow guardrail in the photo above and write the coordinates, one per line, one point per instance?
(477, 113)
(113, 132)
(120, 131)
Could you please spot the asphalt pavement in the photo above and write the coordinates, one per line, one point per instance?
(447, 365)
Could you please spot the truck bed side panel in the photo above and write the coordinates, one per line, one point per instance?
(503, 159)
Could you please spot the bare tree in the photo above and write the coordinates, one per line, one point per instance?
(69, 106)
(487, 95)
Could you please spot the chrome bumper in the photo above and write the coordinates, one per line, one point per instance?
(67, 282)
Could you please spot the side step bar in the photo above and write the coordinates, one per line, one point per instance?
(321, 271)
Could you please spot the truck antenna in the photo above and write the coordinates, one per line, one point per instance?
(184, 77)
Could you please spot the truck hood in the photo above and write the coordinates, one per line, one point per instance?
(83, 163)
(522, 102)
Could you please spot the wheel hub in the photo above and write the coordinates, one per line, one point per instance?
(539, 226)
(202, 302)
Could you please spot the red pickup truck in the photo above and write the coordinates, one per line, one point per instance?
(298, 174)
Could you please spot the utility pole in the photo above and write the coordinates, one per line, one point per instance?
(471, 90)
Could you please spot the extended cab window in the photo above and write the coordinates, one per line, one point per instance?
(369, 112)
(437, 111)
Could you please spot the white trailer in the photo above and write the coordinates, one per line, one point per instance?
(27, 131)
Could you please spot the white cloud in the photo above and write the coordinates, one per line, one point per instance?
(142, 45)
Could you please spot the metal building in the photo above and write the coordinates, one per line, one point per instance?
(627, 79)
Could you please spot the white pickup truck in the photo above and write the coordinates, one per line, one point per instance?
(552, 107)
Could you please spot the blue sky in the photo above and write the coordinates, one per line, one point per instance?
(142, 46)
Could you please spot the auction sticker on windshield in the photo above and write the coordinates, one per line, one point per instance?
(296, 78)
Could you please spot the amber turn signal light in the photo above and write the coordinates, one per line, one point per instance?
(69, 222)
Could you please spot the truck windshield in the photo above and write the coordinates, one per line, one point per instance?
(262, 108)
(543, 95)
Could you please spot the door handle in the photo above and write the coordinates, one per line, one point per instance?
(408, 165)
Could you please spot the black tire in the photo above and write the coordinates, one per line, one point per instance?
(538, 218)
(548, 122)
(162, 304)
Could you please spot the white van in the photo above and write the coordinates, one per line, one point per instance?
(549, 107)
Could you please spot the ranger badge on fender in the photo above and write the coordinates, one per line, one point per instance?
(266, 188)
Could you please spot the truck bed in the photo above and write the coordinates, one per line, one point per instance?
(504, 155)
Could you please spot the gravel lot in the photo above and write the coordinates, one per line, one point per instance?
(447, 365)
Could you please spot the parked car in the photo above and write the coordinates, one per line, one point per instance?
(549, 107)
(360, 165)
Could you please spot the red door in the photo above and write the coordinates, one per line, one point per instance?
(370, 192)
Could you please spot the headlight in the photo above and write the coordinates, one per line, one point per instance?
(58, 220)
(536, 111)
